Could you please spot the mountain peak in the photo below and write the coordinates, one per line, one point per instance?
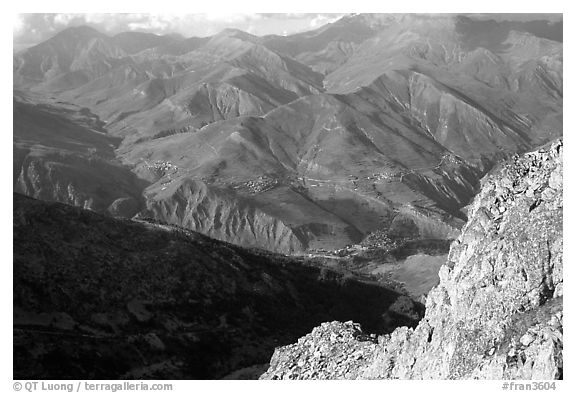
(235, 33)
(82, 31)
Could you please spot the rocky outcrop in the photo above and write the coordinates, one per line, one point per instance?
(334, 350)
(497, 311)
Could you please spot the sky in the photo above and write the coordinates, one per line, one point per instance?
(31, 29)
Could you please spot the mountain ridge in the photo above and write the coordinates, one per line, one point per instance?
(201, 204)
(369, 115)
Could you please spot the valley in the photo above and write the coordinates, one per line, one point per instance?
(186, 206)
(287, 152)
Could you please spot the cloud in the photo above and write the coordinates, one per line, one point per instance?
(322, 19)
(30, 29)
(17, 24)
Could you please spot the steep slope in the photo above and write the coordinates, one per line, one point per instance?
(406, 144)
(497, 311)
(458, 116)
(67, 60)
(221, 215)
(61, 153)
(134, 81)
(516, 77)
(333, 168)
(183, 102)
(325, 48)
(99, 298)
(227, 76)
(422, 133)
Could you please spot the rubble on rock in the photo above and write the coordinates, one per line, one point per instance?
(497, 312)
(332, 350)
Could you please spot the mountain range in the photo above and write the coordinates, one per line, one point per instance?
(189, 207)
(287, 143)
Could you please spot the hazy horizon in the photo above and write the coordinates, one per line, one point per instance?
(33, 28)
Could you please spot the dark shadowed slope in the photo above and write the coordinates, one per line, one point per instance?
(62, 153)
(100, 298)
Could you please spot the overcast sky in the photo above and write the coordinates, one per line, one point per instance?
(30, 29)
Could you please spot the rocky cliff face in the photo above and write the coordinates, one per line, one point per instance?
(497, 311)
